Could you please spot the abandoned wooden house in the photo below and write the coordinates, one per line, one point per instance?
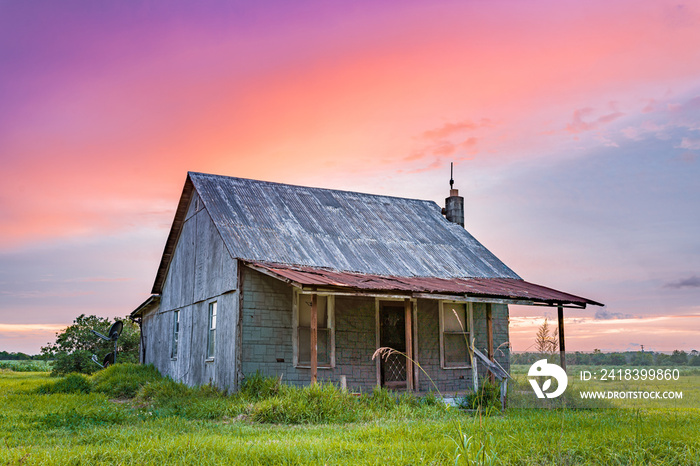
(306, 283)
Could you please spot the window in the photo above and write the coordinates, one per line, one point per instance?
(325, 338)
(211, 340)
(455, 324)
(176, 334)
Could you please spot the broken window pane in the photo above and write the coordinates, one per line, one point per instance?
(456, 349)
(455, 317)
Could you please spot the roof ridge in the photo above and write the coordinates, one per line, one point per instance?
(278, 183)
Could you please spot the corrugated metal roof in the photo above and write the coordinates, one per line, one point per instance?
(502, 288)
(341, 230)
(315, 236)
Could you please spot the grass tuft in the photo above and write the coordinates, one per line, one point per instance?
(71, 383)
(487, 398)
(124, 380)
(257, 386)
(314, 404)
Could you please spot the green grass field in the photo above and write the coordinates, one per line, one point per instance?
(166, 423)
(26, 366)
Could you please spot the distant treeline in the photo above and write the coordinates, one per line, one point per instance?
(630, 358)
(5, 356)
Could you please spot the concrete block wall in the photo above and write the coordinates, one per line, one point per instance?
(355, 341)
(267, 335)
(447, 380)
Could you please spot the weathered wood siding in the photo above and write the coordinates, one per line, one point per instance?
(202, 271)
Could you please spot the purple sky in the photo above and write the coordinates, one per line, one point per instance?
(574, 128)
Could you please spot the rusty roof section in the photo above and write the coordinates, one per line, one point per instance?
(339, 230)
(514, 289)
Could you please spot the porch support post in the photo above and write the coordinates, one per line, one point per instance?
(562, 351)
(314, 338)
(408, 311)
(489, 338)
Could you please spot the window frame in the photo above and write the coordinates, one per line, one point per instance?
(330, 309)
(211, 330)
(469, 310)
(174, 342)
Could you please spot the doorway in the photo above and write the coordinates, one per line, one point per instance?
(392, 334)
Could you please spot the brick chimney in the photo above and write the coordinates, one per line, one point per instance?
(454, 205)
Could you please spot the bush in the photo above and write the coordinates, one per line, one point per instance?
(487, 397)
(77, 361)
(72, 383)
(124, 380)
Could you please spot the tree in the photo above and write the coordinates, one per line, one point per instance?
(598, 358)
(75, 345)
(661, 359)
(617, 359)
(546, 340)
(642, 358)
(5, 356)
(694, 359)
(679, 357)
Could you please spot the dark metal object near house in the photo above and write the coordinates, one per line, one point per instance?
(108, 360)
(114, 331)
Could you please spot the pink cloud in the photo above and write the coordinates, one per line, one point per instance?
(579, 123)
(689, 143)
(450, 129)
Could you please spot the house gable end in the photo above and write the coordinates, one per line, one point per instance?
(201, 266)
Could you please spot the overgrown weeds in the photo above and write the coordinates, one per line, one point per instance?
(475, 449)
(487, 398)
(261, 399)
(124, 380)
(257, 386)
(314, 404)
(117, 381)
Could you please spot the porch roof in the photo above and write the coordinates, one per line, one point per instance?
(512, 290)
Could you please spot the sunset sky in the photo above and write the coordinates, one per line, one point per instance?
(574, 128)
